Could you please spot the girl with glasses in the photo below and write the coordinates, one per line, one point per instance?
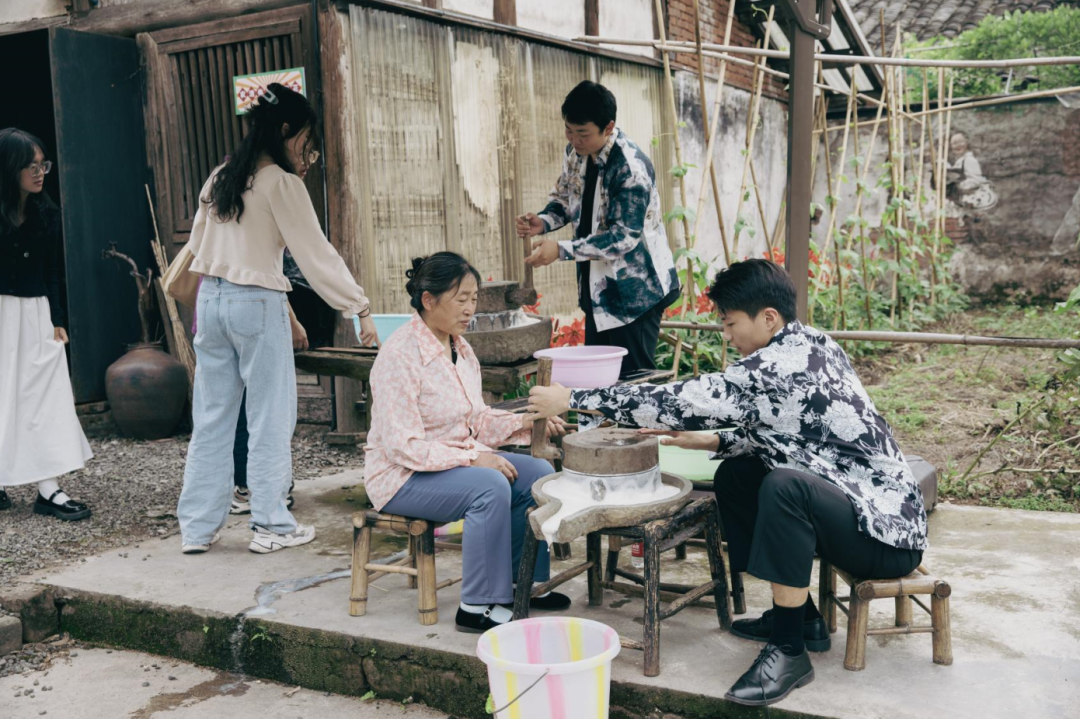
(40, 434)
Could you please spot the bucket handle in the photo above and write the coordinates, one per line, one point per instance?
(495, 712)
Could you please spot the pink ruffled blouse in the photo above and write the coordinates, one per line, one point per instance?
(428, 414)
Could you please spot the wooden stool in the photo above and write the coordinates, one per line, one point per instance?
(658, 536)
(418, 566)
(903, 590)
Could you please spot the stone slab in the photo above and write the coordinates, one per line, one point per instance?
(610, 451)
(10, 634)
(1015, 613)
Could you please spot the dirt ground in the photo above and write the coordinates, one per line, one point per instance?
(948, 402)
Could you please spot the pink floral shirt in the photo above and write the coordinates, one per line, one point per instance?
(428, 414)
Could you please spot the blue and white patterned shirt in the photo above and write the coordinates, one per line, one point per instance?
(794, 403)
(632, 269)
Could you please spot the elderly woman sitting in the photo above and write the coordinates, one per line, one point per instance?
(429, 451)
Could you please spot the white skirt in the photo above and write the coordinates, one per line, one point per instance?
(40, 434)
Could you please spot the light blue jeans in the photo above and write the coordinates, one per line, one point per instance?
(495, 525)
(243, 341)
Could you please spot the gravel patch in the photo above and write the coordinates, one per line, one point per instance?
(132, 488)
(38, 657)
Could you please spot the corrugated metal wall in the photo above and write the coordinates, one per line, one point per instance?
(463, 132)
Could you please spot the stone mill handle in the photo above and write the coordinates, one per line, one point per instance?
(541, 445)
(528, 268)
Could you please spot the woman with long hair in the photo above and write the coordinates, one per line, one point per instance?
(40, 434)
(251, 209)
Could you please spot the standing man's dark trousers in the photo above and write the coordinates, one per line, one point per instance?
(639, 337)
(774, 521)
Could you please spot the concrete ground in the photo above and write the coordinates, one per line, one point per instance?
(107, 684)
(1015, 612)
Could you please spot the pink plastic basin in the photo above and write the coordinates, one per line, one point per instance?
(584, 367)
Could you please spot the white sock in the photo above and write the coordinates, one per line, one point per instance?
(499, 613)
(538, 596)
(47, 487)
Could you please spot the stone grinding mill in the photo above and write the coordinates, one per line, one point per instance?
(501, 332)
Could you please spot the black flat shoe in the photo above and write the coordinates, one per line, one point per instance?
(771, 677)
(69, 511)
(553, 602)
(5, 501)
(474, 623)
(815, 633)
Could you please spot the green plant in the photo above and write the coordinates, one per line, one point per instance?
(1012, 35)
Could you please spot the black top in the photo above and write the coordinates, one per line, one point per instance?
(584, 229)
(30, 262)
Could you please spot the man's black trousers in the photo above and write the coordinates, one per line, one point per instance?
(774, 522)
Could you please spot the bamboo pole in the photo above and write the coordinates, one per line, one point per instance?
(709, 130)
(675, 135)
(833, 192)
(688, 47)
(755, 100)
(932, 338)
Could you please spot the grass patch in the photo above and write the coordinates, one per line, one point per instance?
(948, 402)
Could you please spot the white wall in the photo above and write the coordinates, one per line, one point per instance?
(562, 18)
(480, 8)
(23, 10)
(769, 156)
(627, 19)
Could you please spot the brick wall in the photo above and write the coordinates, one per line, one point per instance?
(680, 26)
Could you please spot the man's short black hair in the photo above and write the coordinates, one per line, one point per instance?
(753, 285)
(589, 102)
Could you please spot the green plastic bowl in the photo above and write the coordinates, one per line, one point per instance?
(690, 463)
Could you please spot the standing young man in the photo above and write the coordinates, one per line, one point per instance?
(607, 192)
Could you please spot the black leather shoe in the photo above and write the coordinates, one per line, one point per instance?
(474, 623)
(815, 633)
(69, 511)
(5, 502)
(771, 677)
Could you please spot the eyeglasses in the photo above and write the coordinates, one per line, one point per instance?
(44, 168)
(312, 157)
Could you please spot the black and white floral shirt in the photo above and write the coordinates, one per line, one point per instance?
(795, 403)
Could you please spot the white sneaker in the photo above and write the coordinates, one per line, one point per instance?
(241, 502)
(266, 541)
(200, 548)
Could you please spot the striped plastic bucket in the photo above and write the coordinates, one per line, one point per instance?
(549, 668)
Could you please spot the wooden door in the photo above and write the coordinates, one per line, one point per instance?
(189, 111)
(101, 162)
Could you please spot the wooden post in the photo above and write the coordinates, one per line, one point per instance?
(505, 12)
(903, 611)
(425, 570)
(523, 591)
(361, 552)
(858, 619)
(651, 624)
(541, 445)
(592, 17)
(614, 548)
(721, 595)
(826, 592)
(413, 551)
(939, 619)
(596, 581)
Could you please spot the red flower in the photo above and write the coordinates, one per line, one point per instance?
(535, 308)
(704, 305)
(672, 311)
(776, 256)
(570, 335)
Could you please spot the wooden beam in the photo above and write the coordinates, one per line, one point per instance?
(151, 15)
(506, 12)
(433, 4)
(592, 17)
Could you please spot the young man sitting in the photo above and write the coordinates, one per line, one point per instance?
(808, 465)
